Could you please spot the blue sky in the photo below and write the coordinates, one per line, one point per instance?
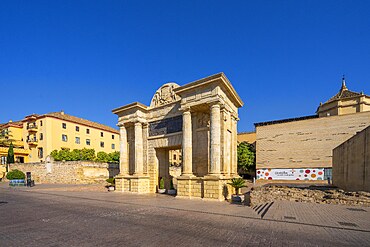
(88, 57)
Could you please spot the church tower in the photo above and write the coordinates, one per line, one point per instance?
(344, 102)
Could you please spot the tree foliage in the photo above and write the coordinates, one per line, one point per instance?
(84, 154)
(102, 157)
(246, 157)
(10, 157)
(114, 156)
(237, 183)
(15, 174)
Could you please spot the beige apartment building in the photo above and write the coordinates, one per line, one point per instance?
(41, 134)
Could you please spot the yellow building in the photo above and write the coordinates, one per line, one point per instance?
(12, 132)
(41, 134)
(249, 137)
(344, 102)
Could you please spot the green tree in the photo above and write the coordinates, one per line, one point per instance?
(75, 154)
(64, 154)
(10, 158)
(88, 154)
(102, 156)
(114, 157)
(54, 154)
(246, 157)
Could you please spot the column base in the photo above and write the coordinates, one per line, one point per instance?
(136, 184)
(208, 187)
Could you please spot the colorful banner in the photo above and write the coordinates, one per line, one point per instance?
(291, 174)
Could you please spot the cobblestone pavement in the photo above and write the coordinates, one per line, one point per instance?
(52, 217)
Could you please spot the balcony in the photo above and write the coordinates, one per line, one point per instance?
(32, 127)
(32, 141)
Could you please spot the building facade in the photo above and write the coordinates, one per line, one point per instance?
(301, 148)
(248, 137)
(41, 134)
(12, 132)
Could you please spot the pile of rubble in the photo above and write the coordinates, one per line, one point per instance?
(271, 193)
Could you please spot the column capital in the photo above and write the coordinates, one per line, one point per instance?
(234, 117)
(185, 109)
(121, 125)
(216, 103)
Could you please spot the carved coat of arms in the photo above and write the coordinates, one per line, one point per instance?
(165, 95)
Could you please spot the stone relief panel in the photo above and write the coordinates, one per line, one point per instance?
(203, 119)
(165, 95)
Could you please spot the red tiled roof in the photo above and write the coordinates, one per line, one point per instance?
(66, 117)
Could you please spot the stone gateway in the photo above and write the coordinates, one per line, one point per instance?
(197, 121)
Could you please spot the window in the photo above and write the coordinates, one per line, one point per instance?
(174, 156)
(3, 160)
(64, 125)
(77, 140)
(41, 123)
(41, 153)
(113, 146)
(87, 131)
(64, 138)
(101, 144)
(41, 136)
(101, 134)
(88, 142)
(19, 159)
(112, 136)
(77, 128)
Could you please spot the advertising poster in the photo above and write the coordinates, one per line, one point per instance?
(291, 174)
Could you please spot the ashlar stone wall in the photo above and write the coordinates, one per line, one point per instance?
(306, 143)
(351, 163)
(68, 172)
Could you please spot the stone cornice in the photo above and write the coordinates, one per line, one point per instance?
(135, 105)
(217, 78)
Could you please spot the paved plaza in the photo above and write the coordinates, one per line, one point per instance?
(56, 215)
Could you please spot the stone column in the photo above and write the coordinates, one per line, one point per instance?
(138, 148)
(234, 146)
(215, 136)
(187, 149)
(226, 141)
(123, 157)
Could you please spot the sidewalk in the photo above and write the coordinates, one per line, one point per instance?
(292, 213)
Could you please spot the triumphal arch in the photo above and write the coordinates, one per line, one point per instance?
(198, 122)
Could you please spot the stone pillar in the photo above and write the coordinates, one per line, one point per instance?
(215, 136)
(234, 146)
(226, 142)
(123, 164)
(187, 149)
(138, 148)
